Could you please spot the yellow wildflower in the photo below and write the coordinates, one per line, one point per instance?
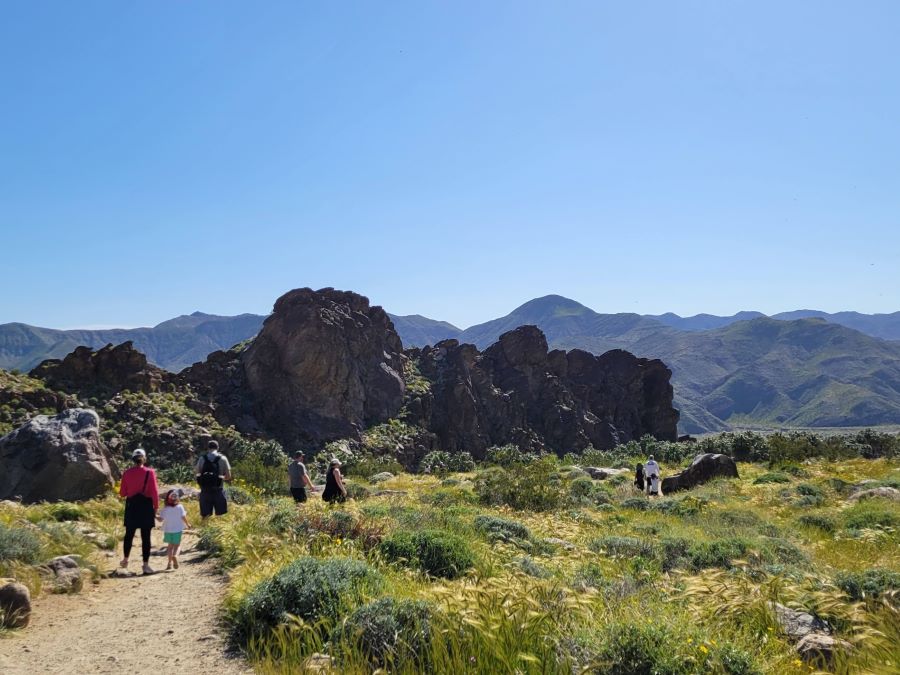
(704, 649)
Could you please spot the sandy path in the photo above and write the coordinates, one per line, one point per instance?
(164, 622)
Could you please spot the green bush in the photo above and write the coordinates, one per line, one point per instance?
(496, 528)
(716, 553)
(586, 491)
(589, 575)
(772, 477)
(522, 486)
(19, 544)
(638, 503)
(821, 522)
(440, 462)
(444, 497)
(309, 588)
(357, 491)
(674, 552)
(436, 553)
(533, 569)
(388, 633)
(810, 490)
(64, 511)
(267, 453)
(623, 547)
(627, 648)
(508, 456)
(871, 583)
(368, 465)
(872, 513)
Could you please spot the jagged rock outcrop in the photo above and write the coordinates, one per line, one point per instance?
(325, 365)
(56, 458)
(704, 468)
(517, 391)
(109, 369)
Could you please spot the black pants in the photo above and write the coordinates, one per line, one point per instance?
(145, 541)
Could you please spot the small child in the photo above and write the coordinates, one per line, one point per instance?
(174, 520)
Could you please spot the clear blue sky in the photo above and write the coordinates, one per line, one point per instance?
(452, 159)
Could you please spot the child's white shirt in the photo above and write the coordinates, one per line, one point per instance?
(172, 518)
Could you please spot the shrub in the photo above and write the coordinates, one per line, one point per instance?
(343, 525)
(19, 544)
(368, 465)
(309, 588)
(810, 490)
(772, 477)
(357, 491)
(622, 546)
(584, 490)
(870, 583)
(638, 503)
(532, 569)
(522, 486)
(440, 462)
(267, 453)
(627, 648)
(448, 497)
(819, 521)
(716, 553)
(502, 529)
(674, 552)
(508, 456)
(589, 575)
(871, 513)
(64, 511)
(388, 633)
(436, 553)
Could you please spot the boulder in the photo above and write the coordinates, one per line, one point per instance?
(64, 574)
(821, 648)
(797, 624)
(704, 468)
(15, 604)
(58, 458)
(184, 492)
(890, 493)
(602, 473)
(110, 369)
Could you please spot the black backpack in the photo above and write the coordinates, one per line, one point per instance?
(209, 477)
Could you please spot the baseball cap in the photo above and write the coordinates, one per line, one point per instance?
(140, 452)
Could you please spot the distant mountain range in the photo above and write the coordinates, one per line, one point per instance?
(803, 368)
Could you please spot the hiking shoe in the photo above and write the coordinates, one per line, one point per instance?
(123, 563)
(175, 562)
(146, 569)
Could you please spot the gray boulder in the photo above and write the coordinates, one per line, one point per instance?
(15, 604)
(57, 458)
(820, 647)
(704, 468)
(64, 574)
(797, 624)
(890, 493)
(381, 477)
(602, 473)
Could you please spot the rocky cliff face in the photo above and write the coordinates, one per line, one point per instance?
(109, 369)
(517, 391)
(325, 365)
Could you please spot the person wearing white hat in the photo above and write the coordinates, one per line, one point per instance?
(141, 493)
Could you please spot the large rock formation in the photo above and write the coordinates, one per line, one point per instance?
(518, 391)
(325, 365)
(110, 369)
(56, 458)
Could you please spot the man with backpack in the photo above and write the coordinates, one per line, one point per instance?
(212, 471)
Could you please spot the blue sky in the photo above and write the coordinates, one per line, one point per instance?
(450, 159)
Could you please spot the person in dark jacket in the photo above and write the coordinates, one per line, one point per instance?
(335, 490)
(212, 471)
(639, 477)
(141, 494)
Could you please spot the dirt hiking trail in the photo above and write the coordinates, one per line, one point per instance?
(164, 622)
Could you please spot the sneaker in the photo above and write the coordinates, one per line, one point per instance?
(175, 562)
(123, 563)
(147, 569)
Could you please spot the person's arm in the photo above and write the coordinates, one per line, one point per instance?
(153, 489)
(184, 518)
(123, 484)
(308, 481)
(226, 475)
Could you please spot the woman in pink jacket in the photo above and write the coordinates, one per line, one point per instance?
(141, 504)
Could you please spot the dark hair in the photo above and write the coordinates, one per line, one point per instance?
(166, 499)
(213, 445)
(298, 454)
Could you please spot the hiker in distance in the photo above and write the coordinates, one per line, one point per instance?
(335, 490)
(141, 494)
(212, 471)
(299, 478)
(652, 473)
